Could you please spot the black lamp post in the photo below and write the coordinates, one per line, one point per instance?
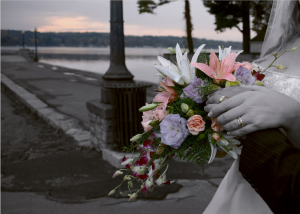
(23, 39)
(119, 89)
(36, 59)
(117, 70)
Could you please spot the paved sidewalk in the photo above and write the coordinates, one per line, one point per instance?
(67, 90)
(63, 93)
(64, 89)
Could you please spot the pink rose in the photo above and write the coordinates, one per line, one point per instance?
(195, 124)
(148, 116)
(216, 136)
(215, 125)
(160, 113)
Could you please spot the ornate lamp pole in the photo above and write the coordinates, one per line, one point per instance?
(117, 70)
(36, 59)
(23, 39)
(121, 97)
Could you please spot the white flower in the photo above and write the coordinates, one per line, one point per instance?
(119, 172)
(226, 52)
(150, 184)
(213, 152)
(112, 192)
(149, 107)
(136, 137)
(281, 67)
(132, 197)
(184, 107)
(294, 48)
(163, 178)
(139, 169)
(229, 145)
(226, 143)
(126, 161)
(127, 177)
(183, 72)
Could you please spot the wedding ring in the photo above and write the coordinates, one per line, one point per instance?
(222, 98)
(240, 121)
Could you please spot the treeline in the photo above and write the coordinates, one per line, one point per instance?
(70, 39)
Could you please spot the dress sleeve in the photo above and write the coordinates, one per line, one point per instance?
(272, 166)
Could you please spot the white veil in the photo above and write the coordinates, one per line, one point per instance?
(283, 31)
(235, 195)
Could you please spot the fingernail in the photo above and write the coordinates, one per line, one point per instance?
(210, 113)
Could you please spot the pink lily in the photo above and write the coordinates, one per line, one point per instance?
(168, 94)
(219, 69)
(148, 116)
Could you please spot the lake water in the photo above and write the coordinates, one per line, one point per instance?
(139, 61)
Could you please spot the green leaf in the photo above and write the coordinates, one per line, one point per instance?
(214, 87)
(207, 59)
(235, 83)
(260, 83)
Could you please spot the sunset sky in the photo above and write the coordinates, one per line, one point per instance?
(94, 16)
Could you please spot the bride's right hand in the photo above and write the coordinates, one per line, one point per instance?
(259, 107)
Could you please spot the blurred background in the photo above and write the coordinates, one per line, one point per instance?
(75, 34)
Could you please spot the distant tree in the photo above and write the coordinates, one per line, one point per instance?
(149, 6)
(14, 38)
(230, 14)
(260, 12)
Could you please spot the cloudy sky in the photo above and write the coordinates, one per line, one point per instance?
(94, 16)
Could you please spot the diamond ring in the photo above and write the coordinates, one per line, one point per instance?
(240, 121)
(222, 98)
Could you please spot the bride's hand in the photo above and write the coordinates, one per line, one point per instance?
(259, 108)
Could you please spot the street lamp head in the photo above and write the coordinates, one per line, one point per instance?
(23, 31)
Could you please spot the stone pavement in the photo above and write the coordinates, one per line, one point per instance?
(63, 93)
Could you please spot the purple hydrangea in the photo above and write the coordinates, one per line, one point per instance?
(244, 75)
(192, 90)
(173, 130)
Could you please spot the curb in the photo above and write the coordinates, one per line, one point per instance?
(115, 158)
(54, 118)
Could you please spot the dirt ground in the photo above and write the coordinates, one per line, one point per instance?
(25, 136)
(37, 158)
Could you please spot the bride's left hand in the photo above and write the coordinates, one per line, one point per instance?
(259, 108)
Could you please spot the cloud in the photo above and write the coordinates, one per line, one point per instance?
(82, 16)
(142, 30)
(78, 24)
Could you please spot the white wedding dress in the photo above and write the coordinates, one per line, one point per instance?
(235, 195)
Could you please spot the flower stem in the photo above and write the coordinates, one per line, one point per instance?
(276, 57)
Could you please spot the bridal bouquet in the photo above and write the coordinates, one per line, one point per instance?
(175, 123)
